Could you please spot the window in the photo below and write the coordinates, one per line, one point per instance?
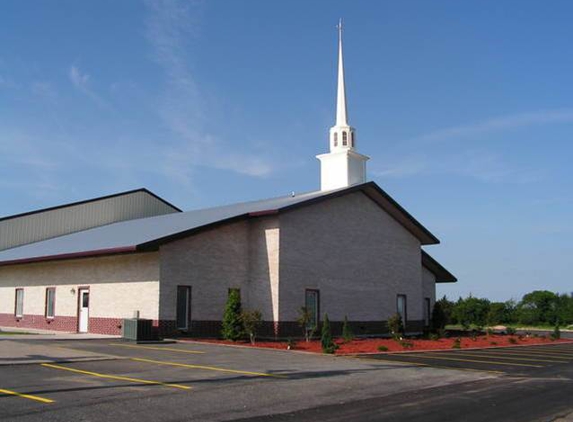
(19, 307)
(183, 307)
(335, 139)
(401, 308)
(50, 302)
(344, 138)
(427, 312)
(312, 304)
(352, 139)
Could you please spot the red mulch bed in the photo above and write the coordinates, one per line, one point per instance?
(370, 345)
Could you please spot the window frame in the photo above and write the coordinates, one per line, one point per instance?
(344, 138)
(315, 292)
(189, 291)
(46, 307)
(16, 314)
(405, 316)
(335, 139)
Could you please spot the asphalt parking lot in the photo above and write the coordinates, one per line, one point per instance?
(204, 382)
(533, 361)
(188, 381)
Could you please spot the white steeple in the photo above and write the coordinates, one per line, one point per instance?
(343, 166)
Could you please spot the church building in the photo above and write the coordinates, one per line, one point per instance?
(348, 250)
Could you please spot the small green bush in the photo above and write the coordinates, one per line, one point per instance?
(457, 343)
(493, 343)
(434, 336)
(406, 344)
(291, 344)
(326, 341)
(232, 324)
(382, 349)
(512, 340)
(347, 334)
(395, 325)
(252, 321)
(305, 322)
(556, 334)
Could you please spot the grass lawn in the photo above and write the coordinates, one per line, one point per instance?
(15, 333)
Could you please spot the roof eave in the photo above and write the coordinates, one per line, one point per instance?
(74, 255)
(441, 273)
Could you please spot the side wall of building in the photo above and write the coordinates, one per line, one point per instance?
(118, 285)
(242, 255)
(359, 259)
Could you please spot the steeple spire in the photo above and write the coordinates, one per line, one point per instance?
(343, 166)
(341, 119)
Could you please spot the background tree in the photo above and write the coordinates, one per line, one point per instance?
(538, 307)
(471, 310)
(232, 324)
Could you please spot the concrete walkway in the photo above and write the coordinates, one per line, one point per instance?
(33, 334)
(41, 346)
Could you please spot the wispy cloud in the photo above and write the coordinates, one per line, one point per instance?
(171, 28)
(499, 124)
(484, 166)
(81, 81)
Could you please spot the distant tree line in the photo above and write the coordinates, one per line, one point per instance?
(540, 307)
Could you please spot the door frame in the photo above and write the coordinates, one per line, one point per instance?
(79, 302)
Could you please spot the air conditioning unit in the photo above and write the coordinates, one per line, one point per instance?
(135, 329)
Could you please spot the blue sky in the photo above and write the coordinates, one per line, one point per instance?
(465, 108)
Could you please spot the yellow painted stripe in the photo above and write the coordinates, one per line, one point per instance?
(169, 349)
(425, 356)
(506, 356)
(116, 377)
(553, 350)
(26, 396)
(209, 368)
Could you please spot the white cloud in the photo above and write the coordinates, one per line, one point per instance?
(81, 81)
(499, 124)
(171, 27)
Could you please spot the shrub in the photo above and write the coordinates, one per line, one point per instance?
(232, 324)
(457, 343)
(474, 335)
(305, 321)
(347, 334)
(556, 334)
(434, 336)
(382, 349)
(395, 325)
(406, 344)
(252, 321)
(512, 340)
(326, 341)
(493, 343)
(291, 344)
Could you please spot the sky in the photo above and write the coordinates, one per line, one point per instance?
(465, 108)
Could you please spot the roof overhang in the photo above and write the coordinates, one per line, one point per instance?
(442, 275)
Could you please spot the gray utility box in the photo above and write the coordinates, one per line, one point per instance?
(135, 329)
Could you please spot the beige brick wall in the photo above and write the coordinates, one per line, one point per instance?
(358, 256)
(242, 255)
(119, 285)
(429, 285)
(210, 262)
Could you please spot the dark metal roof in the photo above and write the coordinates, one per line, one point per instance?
(442, 275)
(148, 233)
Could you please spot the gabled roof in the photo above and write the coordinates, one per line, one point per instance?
(87, 201)
(147, 234)
(442, 275)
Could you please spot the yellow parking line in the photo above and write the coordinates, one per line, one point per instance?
(475, 361)
(505, 356)
(169, 349)
(553, 350)
(116, 377)
(210, 368)
(26, 396)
